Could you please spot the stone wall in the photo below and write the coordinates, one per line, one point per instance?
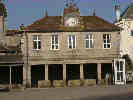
(74, 83)
(44, 83)
(59, 83)
(64, 53)
(89, 82)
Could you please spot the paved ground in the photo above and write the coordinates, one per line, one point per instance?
(79, 93)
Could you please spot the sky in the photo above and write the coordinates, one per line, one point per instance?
(27, 11)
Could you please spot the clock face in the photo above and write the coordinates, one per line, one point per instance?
(71, 20)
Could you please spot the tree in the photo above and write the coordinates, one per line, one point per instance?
(3, 10)
(129, 63)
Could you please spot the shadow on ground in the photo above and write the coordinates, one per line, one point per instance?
(127, 96)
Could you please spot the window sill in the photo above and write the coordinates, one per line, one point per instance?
(54, 49)
(89, 48)
(107, 48)
(36, 50)
(72, 48)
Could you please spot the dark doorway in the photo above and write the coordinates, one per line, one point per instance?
(90, 71)
(37, 73)
(55, 72)
(4, 75)
(106, 68)
(73, 71)
(16, 73)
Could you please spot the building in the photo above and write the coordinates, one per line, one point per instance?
(69, 50)
(125, 21)
(11, 62)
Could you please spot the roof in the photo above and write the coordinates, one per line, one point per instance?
(128, 12)
(12, 32)
(54, 23)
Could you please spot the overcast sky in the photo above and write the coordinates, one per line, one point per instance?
(27, 11)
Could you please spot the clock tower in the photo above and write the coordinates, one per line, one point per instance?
(71, 15)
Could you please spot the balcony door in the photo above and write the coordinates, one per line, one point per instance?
(119, 71)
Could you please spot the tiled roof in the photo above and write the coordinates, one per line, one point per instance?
(12, 32)
(55, 23)
(97, 23)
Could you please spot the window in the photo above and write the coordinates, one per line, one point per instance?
(36, 42)
(107, 40)
(89, 41)
(71, 41)
(131, 33)
(55, 42)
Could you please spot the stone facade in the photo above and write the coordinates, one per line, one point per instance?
(80, 55)
(67, 65)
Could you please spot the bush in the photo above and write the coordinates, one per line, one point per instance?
(128, 62)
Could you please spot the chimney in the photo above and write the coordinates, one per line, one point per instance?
(46, 13)
(117, 12)
(94, 12)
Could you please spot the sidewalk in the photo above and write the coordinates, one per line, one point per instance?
(74, 93)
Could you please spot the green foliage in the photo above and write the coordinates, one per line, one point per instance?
(129, 63)
(3, 10)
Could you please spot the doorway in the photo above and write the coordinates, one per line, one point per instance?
(119, 71)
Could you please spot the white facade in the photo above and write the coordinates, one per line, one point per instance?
(126, 42)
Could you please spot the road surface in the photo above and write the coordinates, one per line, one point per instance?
(75, 93)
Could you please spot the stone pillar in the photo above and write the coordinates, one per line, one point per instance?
(64, 75)
(64, 72)
(81, 72)
(46, 71)
(99, 72)
(28, 83)
(24, 75)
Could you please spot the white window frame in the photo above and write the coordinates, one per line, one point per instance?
(106, 41)
(120, 80)
(90, 38)
(53, 42)
(37, 40)
(71, 41)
